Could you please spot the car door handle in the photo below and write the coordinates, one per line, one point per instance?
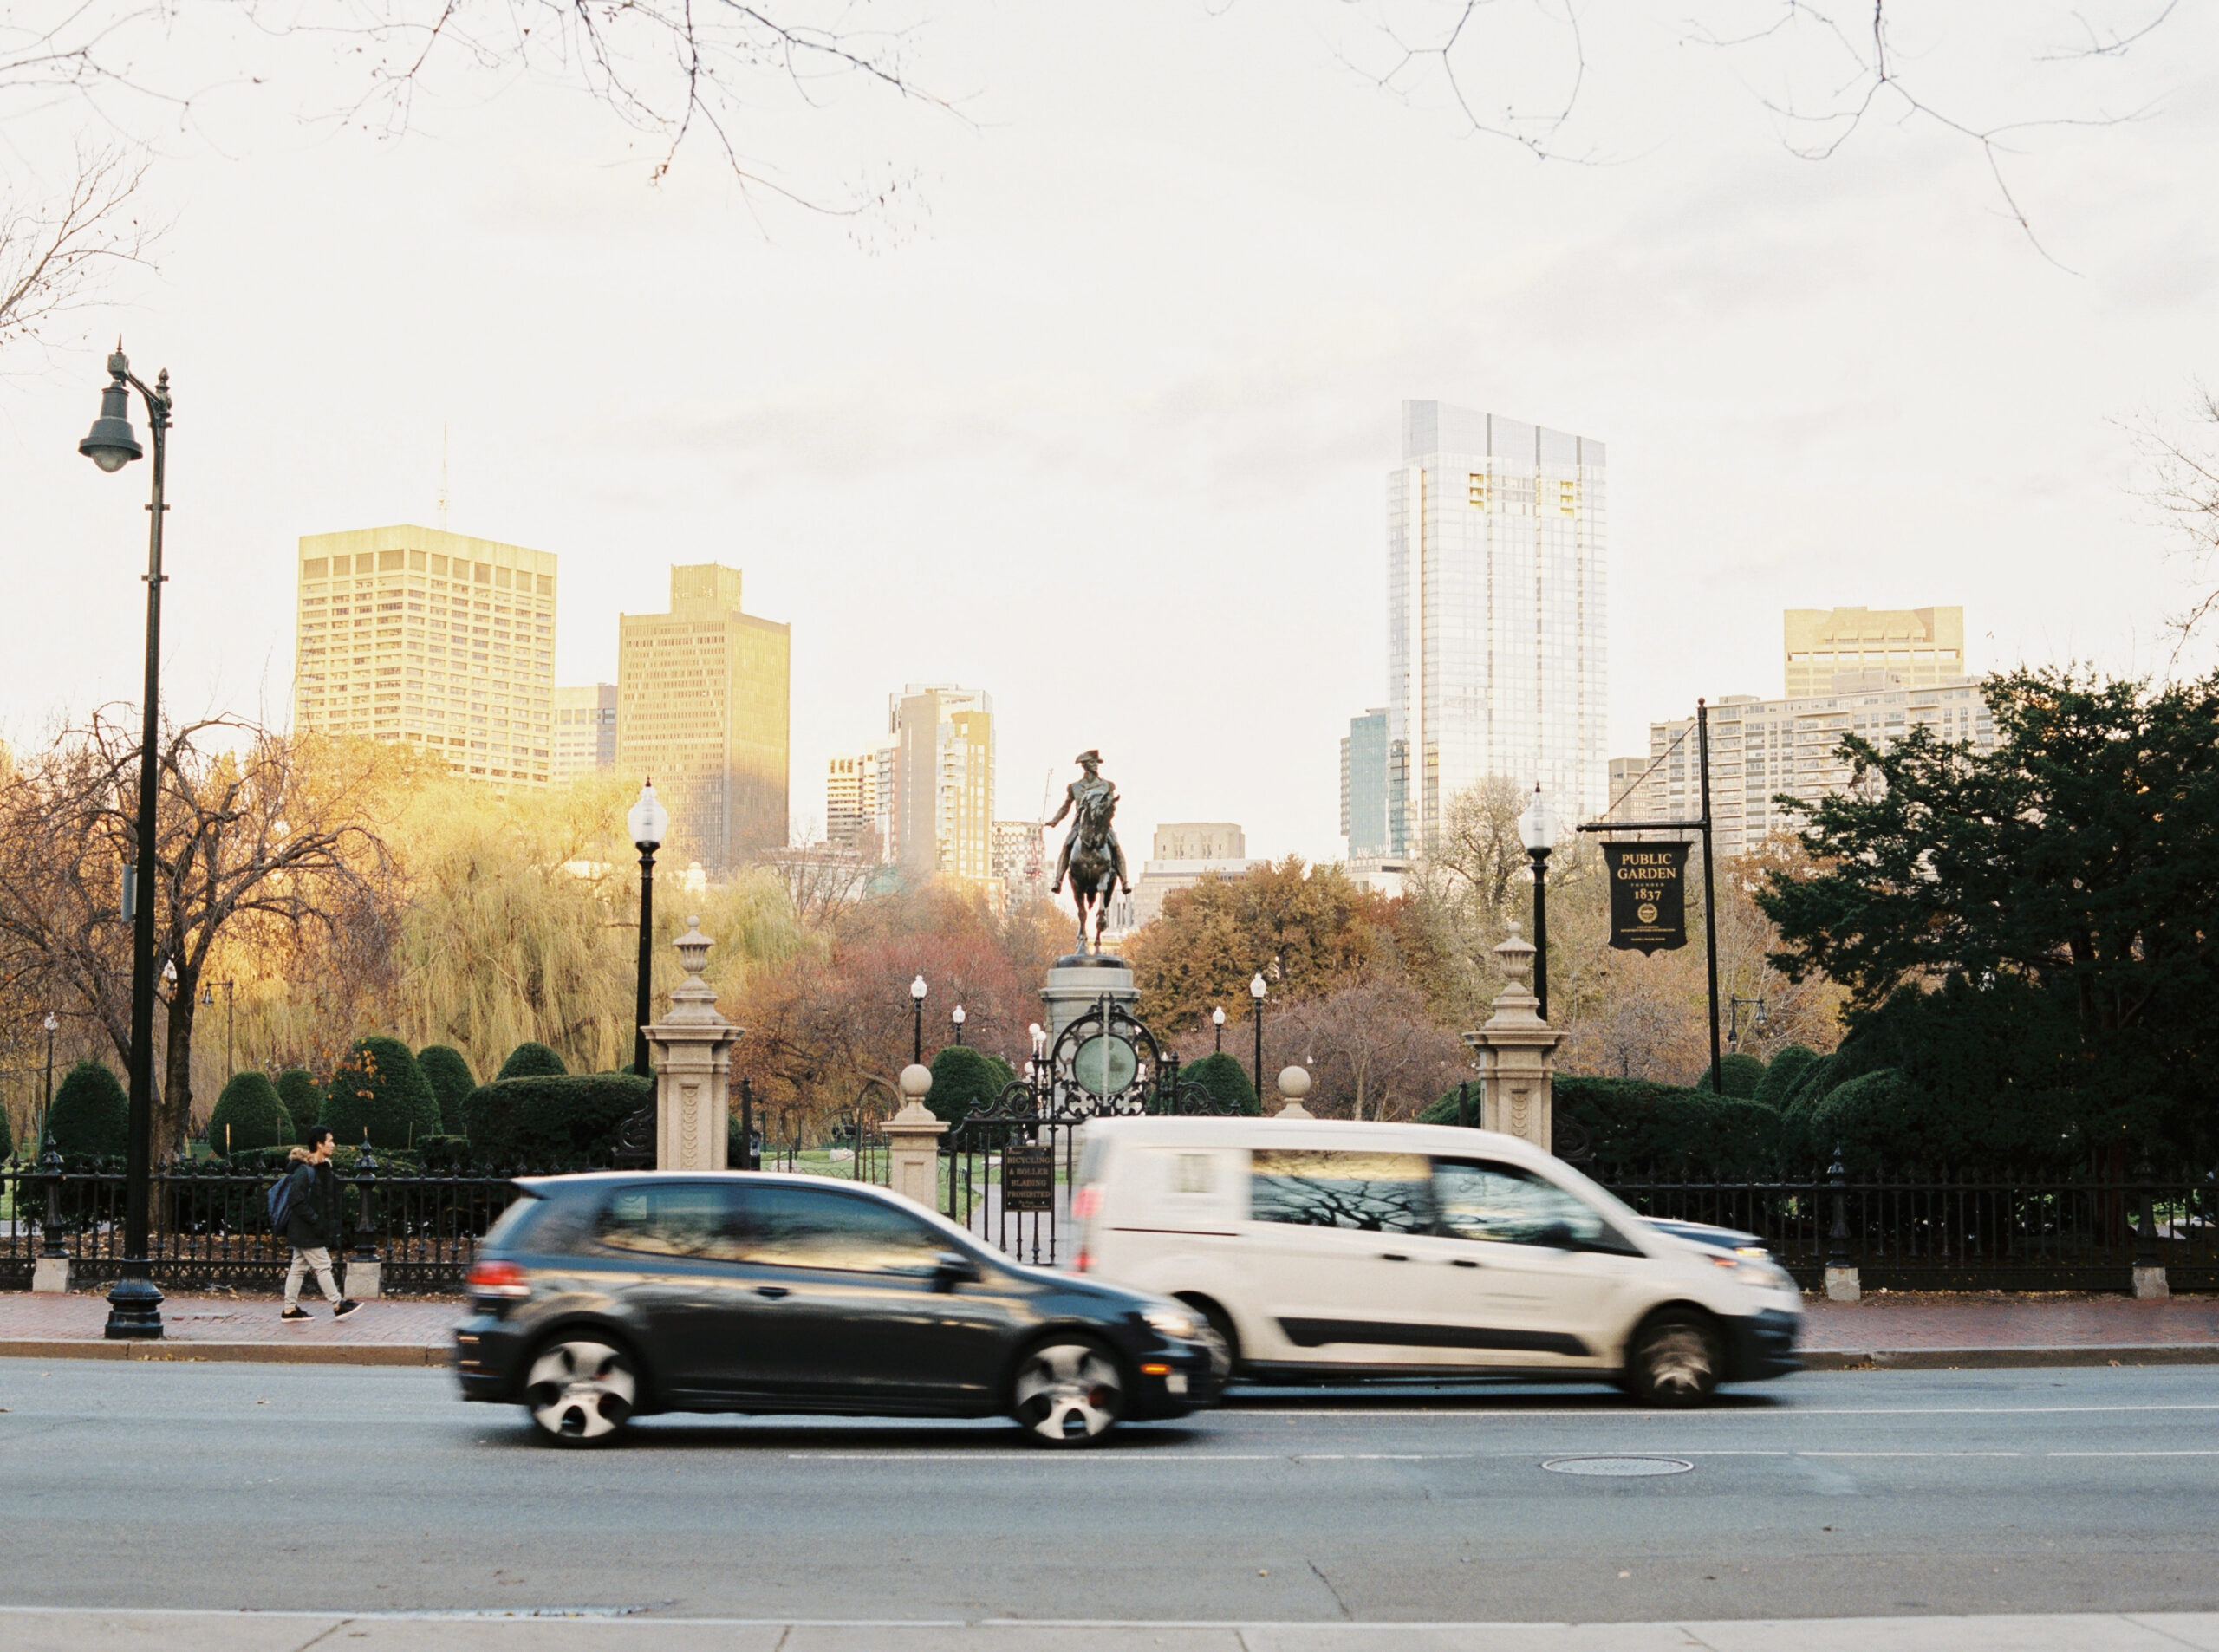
(772, 1290)
(1461, 1261)
(1392, 1256)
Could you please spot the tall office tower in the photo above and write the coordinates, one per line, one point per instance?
(1363, 786)
(944, 741)
(1920, 647)
(432, 638)
(851, 804)
(1020, 859)
(585, 731)
(1496, 574)
(702, 698)
(1761, 748)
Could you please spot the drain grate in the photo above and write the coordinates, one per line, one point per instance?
(1616, 1467)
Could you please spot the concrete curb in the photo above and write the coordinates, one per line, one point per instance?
(1975, 1359)
(259, 1353)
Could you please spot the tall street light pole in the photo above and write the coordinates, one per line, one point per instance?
(48, 1108)
(135, 1305)
(1538, 828)
(917, 991)
(649, 822)
(1217, 1029)
(956, 1017)
(1256, 989)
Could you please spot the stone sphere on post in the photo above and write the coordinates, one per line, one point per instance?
(1294, 1084)
(916, 1083)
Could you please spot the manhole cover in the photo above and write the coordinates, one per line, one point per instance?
(1620, 1467)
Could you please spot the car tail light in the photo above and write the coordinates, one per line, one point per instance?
(1081, 1262)
(1086, 1202)
(496, 1279)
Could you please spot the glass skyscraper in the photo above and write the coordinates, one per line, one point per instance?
(1495, 629)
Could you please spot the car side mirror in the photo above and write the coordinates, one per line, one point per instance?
(952, 1268)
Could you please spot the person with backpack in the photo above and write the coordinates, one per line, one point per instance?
(304, 1208)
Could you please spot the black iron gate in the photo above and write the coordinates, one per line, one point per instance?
(1011, 1166)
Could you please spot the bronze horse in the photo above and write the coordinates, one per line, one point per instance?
(1094, 865)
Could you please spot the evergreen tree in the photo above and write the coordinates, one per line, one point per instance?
(448, 1073)
(249, 1114)
(1227, 1080)
(532, 1060)
(378, 1089)
(91, 1113)
(303, 1100)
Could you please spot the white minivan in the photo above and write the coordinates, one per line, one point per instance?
(1319, 1248)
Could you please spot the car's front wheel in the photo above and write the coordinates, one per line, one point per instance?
(1068, 1392)
(581, 1392)
(1675, 1361)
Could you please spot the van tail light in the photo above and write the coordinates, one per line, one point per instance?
(496, 1279)
(1081, 1262)
(1086, 1202)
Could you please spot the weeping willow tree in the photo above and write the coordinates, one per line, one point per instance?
(522, 922)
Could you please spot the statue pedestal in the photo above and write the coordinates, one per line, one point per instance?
(1078, 982)
(1517, 1092)
(691, 1052)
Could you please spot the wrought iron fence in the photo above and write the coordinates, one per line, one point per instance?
(1963, 1229)
(210, 1225)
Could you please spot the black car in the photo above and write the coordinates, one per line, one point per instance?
(598, 1299)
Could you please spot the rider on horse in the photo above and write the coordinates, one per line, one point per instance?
(1091, 836)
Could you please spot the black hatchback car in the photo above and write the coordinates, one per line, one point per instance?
(598, 1299)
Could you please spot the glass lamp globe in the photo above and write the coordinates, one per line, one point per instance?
(649, 820)
(1538, 825)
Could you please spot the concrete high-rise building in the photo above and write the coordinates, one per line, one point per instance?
(1363, 786)
(433, 639)
(944, 746)
(851, 804)
(1761, 748)
(1021, 859)
(1920, 647)
(1184, 853)
(702, 707)
(585, 731)
(1496, 573)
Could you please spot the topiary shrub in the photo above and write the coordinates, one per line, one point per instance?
(1227, 1080)
(378, 1087)
(1739, 1074)
(448, 1073)
(1784, 1074)
(1631, 1124)
(530, 1060)
(447, 1153)
(248, 1115)
(303, 1100)
(965, 1080)
(91, 1113)
(554, 1122)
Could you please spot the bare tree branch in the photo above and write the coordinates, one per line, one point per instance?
(52, 255)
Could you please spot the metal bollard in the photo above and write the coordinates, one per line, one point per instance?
(1843, 1282)
(51, 1167)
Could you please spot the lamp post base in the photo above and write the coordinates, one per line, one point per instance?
(134, 1308)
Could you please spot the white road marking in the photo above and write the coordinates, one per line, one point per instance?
(1736, 1415)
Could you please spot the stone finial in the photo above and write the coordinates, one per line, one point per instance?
(916, 1081)
(694, 946)
(1294, 1084)
(693, 1003)
(1514, 957)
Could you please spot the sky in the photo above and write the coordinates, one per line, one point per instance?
(1097, 415)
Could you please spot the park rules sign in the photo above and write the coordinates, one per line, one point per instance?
(1649, 908)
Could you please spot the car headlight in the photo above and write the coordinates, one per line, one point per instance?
(1174, 1322)
(1756, 1267)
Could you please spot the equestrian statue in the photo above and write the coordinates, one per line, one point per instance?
(1090, 854)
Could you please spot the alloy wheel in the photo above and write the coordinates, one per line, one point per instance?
(1677, 1364)
(1069, 1392)
(581, 1393)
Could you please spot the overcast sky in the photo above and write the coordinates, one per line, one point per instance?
(1098, 416)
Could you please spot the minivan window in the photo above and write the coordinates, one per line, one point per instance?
(669, 1220)
(1482, 1200)
(806, 1227)
(1378, 1193)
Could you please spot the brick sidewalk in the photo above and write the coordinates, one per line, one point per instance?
(1934, 1319)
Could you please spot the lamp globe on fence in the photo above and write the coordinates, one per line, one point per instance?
(649, 823)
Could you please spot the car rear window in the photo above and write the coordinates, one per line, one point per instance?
(1377, 1193)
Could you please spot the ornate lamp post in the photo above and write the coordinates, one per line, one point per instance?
(1256, 990)
(51, 1024)
(1217, 1029)
(650, 823)
(1538, 828)
(917, 991)
(135, 1305)
(1733, 1023)
(231, 1018)
(956, 1016)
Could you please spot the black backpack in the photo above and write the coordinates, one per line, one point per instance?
(280, 1202)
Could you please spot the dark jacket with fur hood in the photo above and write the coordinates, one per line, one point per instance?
(313, 1222)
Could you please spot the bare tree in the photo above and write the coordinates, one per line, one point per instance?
(2185, 486)
(1377, 1052)
(52, 253)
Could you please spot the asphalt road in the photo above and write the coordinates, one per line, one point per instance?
(1848, 1494)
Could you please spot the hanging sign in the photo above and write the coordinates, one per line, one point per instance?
(1649, 908)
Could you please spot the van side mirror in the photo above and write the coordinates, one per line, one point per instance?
(952, 1268)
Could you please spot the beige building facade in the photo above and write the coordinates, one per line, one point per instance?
(944, 746)
(585, 731)
(433, 639)
(851, 803)
(1184, 853)
(704, 708)
(1920, 647)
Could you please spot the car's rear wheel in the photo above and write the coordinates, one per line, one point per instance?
(1068, 1391)
(581, 1392)
(1675, 1361)
(1218, 1336)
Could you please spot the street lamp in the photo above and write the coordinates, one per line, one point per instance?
(1537, 826)
(1256, 990)
(649, 822)
(1217, 1029)
(1733, 1022)
(50, 1023)
(917, 991)
(135, 1305)
(956, 1016)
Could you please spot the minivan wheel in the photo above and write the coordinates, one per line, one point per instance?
(1068, 1392)
(1218, 1336)
(1675, 1362)
(581, 1392)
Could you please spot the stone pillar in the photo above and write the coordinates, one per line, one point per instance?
(1078, 982)
(691, 1052)
(1515, 1051)
(1294, 1084)
(912, 1141)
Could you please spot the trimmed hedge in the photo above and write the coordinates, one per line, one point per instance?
(1227, 1080)
(303, 1100)
(91, 1113)
(448, 1073)
(1740, 1074)
(965, 1080)
(248, 1115)
(1784, 1074)
(378, 1088)
(531, 1060)
(556, 1119)
(1635, 1125)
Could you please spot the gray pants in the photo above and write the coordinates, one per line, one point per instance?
(315, 1259)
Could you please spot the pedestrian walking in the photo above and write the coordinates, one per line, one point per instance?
(308, 1201)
